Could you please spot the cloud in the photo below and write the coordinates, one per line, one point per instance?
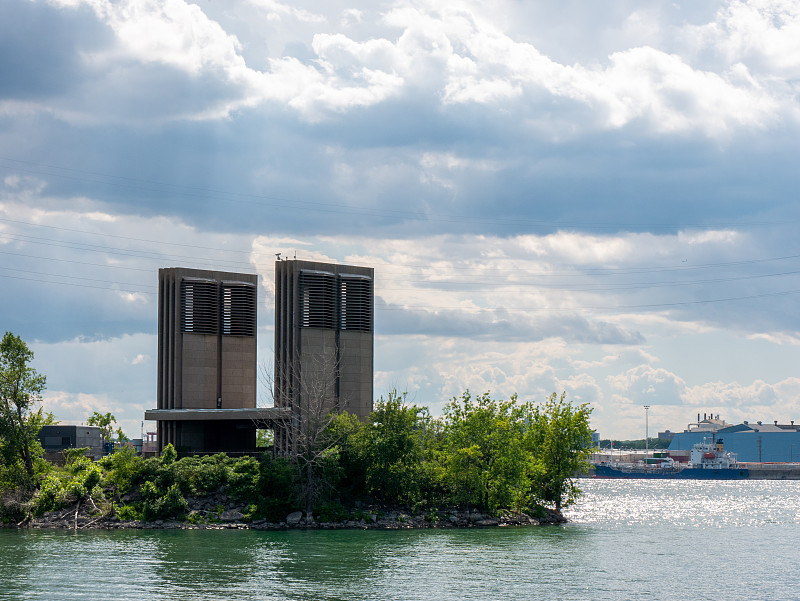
(277, 11)
(763, 33)
(649, 385)
(452, 55)
(597, 199)
(73, 408)
(140, 358)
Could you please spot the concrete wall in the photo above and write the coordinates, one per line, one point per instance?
(356, 371)
(197, 381)
(238, 371)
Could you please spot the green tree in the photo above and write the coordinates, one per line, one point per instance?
(393, 450)
(560, 440)
(20, 389)
(104, 422)
(347, 433)
(484, 453)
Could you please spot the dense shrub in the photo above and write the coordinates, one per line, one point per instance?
(122, 469)
(169, 505)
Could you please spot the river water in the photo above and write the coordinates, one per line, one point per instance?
(666, 540)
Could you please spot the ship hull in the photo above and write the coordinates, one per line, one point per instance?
(687, 473)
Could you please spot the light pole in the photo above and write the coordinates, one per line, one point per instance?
(646, 430)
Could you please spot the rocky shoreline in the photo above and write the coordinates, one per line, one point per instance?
(217, 512)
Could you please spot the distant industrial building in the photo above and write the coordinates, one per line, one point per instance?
(206, 392)
(323, 341)
(58, 438)
(759, 442)
(666, 435)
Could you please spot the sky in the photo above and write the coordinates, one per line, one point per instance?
(593, 198)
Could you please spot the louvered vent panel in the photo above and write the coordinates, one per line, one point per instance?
(238, 310)
(318, 300)
(356, 304)
(199, 313)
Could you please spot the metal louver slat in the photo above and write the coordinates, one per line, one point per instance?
(356, 304)
(318, 300)
(199, 307)
(238, 310)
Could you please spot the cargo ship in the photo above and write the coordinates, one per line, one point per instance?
(707, 461)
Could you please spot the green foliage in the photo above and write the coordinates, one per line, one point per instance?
(79, 464)
(391, 445)
(48, 495)
(265, 438)
(169, 455)
(20, 390)
(75, 483)
(560, 441)
(484, 456)
(331, 511)
(169, 505)
(347, 431)
(159, 504)
(494, 455)
(132, 513)
(275, 497)
(122, 469)
(265, 487)
(71, 455)
(103, 421)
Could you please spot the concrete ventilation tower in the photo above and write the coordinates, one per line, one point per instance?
(207, 362)
(323, 341)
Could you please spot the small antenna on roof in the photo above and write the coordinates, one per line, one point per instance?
(278, 255)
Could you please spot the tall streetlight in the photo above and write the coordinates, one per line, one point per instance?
(646, 430)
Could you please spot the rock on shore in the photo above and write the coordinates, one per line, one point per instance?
(376, 519)
(219, 511)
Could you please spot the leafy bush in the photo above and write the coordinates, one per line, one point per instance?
(331, 512)
(130, 513)
(169, 505)
(48, 496)
(72, 455)
(122, 469)
(169, 455)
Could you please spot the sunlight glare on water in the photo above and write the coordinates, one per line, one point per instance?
(626, 540)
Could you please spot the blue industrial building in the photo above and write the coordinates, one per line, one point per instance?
(767, 443)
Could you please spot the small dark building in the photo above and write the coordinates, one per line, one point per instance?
(55, 439)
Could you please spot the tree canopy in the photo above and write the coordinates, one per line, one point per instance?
(20, 421)
(560, 442)
(483, 453)
(104, 421)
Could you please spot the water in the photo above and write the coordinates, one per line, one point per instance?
(674, 540)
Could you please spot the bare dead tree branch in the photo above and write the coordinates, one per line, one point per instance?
(306, 439)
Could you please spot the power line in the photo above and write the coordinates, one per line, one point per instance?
(510, 310)
(274, 201)
(120, 237)
(107, 249)
(497, 271)
(424, 284)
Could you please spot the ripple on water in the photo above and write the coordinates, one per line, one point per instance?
(626, 540)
